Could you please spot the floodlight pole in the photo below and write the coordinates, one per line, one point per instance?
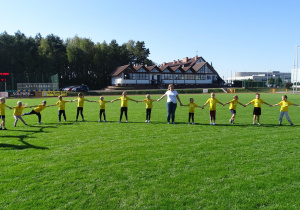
(295, 72)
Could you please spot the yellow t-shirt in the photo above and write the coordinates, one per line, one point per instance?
(2, 109)
(233, 104)
(80, 102)
(257, 102)
(18, 110)
(124, 101)
(102, 104)
(148, 103)
(284, 106)
(192, 107)
(39, 108)
(212, 104)
(61, 104)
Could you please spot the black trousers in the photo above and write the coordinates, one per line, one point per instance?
(79, 110)
(123, 110)
(102, 112)
(191, 115)
(148, 114)
(33, 112)
(61, 112)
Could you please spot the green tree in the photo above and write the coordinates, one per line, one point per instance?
(278, 81)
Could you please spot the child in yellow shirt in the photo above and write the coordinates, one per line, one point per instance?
(124, 105)
(62, 108)
(80, 104)
(212, 107)
(148, 101)
(18, 112)
(102, 103)
(37, 110)
(192, 107)
(2, 113)
(232, 107)
(257, 107)
(284, 109)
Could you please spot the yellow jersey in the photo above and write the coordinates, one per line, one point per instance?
(102, 104)
(61, 104)
(124, 101)
(257, 102)
(192, 107)
(39, 108)
(2, 109)
(233, 104)
(284, 106)
(212, 104)
(80, 101)
(148, 103)
(18, 110)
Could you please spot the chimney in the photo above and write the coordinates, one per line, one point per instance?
(178, 61)
(196, 57)
(185, 59)
(174, 61)
(164, 63)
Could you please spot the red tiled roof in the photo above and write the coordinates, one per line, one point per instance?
(119, 70)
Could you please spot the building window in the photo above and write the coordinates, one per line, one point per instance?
(130, 76)
(190, 77)
(202, 70)
(142, 76)
(201, 77)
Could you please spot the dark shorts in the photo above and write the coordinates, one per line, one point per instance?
(257, 111)
(212, 113)
(233, 111)
(2, 116)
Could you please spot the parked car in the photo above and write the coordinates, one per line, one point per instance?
(81, 88)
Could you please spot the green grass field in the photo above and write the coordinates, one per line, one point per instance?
(137, 165)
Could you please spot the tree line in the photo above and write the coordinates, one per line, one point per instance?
(76, 60)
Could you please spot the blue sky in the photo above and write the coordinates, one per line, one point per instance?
(235, 35)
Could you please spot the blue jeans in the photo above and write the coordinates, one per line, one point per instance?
(171, 108)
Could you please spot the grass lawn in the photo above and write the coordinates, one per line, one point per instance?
(138, 165)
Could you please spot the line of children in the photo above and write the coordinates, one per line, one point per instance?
(149, 104)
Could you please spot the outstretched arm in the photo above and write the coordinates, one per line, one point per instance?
(226, 103)
(242, 104)
(204, 105)
(133, 100)
(275, 105)
(268, 104)
(161, 97)
(115, 100)
(221, 103)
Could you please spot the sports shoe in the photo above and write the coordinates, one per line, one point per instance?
(193, 123)
(146, 121)
(76, 120)
(40, 123)
(104, 120)
(99, 120)
(253, 123)
(211, 123)
(173, 122)
(58, 120)
(168, 123)
(127, 121)
(291, 125)
(0, 128)
(189, 123)
(258, 123)
(214, 123)
(120, 121)
(4, 129)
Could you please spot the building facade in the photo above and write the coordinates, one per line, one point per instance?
(188, 71)
(261, 76)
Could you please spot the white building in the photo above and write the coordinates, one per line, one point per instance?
(260, 76)
(185, 72)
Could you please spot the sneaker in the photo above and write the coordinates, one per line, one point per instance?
(230, 121)
(76, 120)
(22, 115)
(258, 123)
(168, 123)
(173, 122)
(40, 123)
(146, 121)
(253, 123)
(4, 129)
(291, 125)
(280, 124)
(82, 120)
(58, 120)
(193, 123)
(104, 120)
(120, 121)
(189, 123)
(65, 120)
(127, 121)
(211, 123)
(99, 120)
(0, 128)
(214, 123)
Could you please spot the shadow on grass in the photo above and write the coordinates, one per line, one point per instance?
(20, 147)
